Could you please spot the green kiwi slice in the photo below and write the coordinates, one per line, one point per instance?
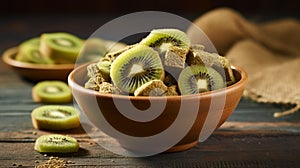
(136, 66)
(55, 117)
(31, 42)
(61, 47)
(198, 56)
(29, 52)
(56, 143)
(198, 78)
(32, 54)
(35, 42)
(52, 92)
(162, 39)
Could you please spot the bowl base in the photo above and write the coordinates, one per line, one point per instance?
(176, 148)
(182, 147)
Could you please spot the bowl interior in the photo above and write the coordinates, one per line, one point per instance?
(78, 77)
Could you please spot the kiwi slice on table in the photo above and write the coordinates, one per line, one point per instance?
(55, 117)
(52, 92)
(198, 78)
(56, 143)
(61, 47)
(136, 66)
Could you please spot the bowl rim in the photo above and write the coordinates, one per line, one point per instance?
(8, 58)
(239, 84)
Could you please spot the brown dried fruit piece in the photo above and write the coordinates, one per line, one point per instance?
(197, 56)
(151, 88)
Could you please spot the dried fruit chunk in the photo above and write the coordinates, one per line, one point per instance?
(108, 88)
(151, 88)
(172, 91)
(175, 57)
(197, 56)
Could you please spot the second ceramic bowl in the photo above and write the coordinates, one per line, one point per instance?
(36, 72)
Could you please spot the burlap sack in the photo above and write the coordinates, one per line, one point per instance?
(269, 52)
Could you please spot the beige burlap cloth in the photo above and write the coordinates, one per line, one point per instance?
(269, 52)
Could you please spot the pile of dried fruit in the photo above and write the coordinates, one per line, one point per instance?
(163, 63)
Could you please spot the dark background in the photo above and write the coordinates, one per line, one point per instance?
(23, 19)
(124, 6)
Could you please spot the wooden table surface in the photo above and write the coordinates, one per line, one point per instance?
(250, 138)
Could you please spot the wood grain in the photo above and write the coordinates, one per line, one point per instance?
(223, 149)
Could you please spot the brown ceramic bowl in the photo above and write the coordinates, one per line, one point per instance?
(36, 72)
(96, 106)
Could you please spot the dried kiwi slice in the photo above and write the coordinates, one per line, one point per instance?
(61, 47)
(29, 52)
(198, 78)
(55, 143)
(35, 42)
(198, 56)
(162, 39)
(31, 42)
(136, 66)
(52, 92)
(55, 117)
(32, 54)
